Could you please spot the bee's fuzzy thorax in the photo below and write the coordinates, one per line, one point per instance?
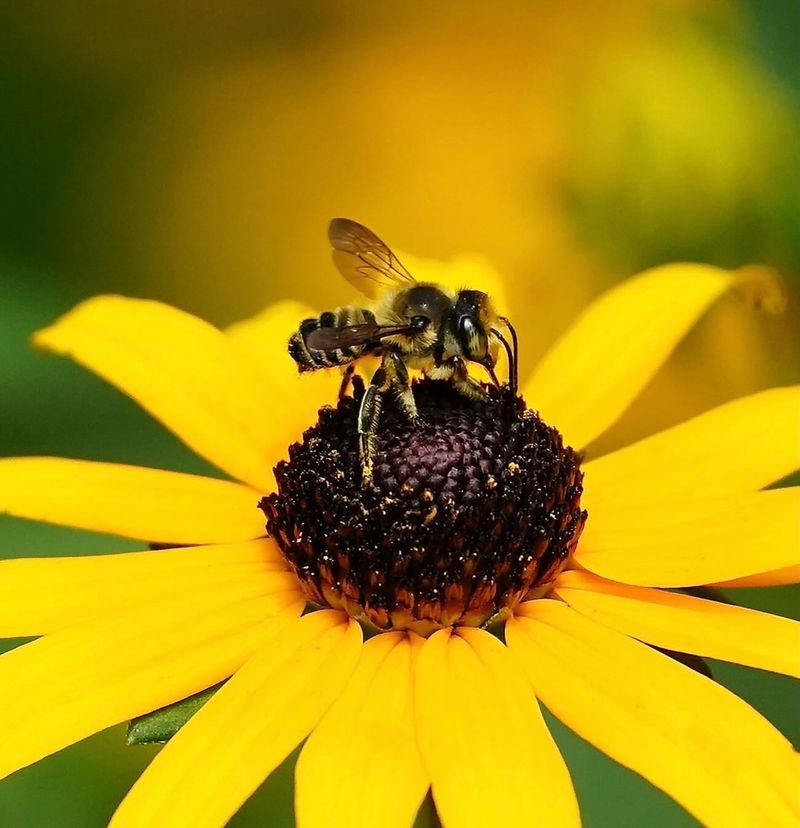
(468, 511)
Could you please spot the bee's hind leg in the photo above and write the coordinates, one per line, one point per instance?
(369, 415)
(392, 374)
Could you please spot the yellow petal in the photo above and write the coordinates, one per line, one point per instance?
(135, 502)
(265, 336)
(593, 373)
(362, 758)
(739, 447)
(482, 738)
(686, 624)
(77, 681)
(684, 733)
(213, 764)
(775, 577)
(299, 397)
(688, 542)
(40, 595)
(183, 371)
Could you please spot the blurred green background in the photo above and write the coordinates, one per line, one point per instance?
(194, 152)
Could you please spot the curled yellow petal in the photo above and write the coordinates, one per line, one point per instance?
(183, 371)
(684, 733)
(688, 542)
(593, 373)
(41, 595)
(736, 448)
(131, 501)
(685, 623)
(466, 271)
(213, 764)
(482, 737)
(362, 758)
(62, 688)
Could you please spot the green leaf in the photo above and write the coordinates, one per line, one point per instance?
(694, 662)
(706, 592)
(162, 724)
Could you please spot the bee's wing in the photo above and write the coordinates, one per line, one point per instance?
(327, 339)
(364, 260)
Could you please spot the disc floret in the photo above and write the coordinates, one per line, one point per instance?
(469, 510)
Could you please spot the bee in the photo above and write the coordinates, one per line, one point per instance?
(409, 325)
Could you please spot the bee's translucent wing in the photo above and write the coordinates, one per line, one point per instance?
(323, 339)
(364, 260)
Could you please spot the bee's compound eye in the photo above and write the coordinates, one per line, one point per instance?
(473, 339)
(419, 323)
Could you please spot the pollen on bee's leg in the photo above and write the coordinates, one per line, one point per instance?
(470, 508)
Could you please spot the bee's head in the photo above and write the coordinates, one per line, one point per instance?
(475, 318)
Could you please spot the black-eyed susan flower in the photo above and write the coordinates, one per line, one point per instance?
(482, 514)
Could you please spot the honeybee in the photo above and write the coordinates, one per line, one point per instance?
(410, 324)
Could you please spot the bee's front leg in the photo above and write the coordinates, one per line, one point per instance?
(369, 415)
(463, 382)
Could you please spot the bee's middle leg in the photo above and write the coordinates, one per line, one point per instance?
(398, 376)
(347, 376)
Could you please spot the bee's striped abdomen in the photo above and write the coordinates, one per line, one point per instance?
(310, 359)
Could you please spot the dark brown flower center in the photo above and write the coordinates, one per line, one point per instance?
(469, 510)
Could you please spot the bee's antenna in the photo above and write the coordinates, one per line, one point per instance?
(512, 367)
(515, 362)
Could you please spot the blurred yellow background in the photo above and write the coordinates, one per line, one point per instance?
(195, 151)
